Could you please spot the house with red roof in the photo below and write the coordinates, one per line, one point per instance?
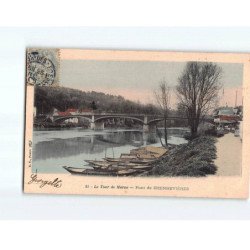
(63, 113)
(226, 115)
(72, 111)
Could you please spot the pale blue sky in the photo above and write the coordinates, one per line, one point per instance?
(134, 80)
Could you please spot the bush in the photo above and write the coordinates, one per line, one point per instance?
(196, 158)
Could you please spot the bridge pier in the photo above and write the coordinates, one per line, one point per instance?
(99, 125)
(92, 123)
(96, 125)
(145, 138)
(145, 128)
(148, 128)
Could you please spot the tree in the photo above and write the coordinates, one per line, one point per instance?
(93, 105)
(162, 97)
(197, 91)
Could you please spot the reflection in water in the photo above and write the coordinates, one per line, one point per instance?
(54, 149)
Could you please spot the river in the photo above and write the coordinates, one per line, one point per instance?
(53, 149)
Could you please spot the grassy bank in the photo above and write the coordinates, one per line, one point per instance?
(196, 158)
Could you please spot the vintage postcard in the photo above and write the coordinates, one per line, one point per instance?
(137, 123)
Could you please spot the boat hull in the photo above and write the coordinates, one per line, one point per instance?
(84, 171)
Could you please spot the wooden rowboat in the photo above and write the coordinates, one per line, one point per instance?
(98, 163)
(75, 170)
(111, 168)
(128, 156)
(85, 171)
(142, 161)
(142, 167)
(118, 167)
(113, 159)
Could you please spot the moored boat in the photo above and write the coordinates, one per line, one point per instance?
(98, 163)
(74, 170)
(136, 162)
(142, 161)
(109, 159)
(110, 168)
(128, 156)
(142, 167)
(85, 171)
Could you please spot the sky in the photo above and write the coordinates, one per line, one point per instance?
(137, 80)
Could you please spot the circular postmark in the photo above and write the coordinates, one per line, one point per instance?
(40, 69)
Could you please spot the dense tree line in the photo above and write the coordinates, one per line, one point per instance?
(48, 98)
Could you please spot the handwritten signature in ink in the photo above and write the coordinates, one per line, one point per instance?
(57, 183)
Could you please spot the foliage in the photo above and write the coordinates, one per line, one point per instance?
(163, 97)
(192, 159)
(197, 91)
(48, 98)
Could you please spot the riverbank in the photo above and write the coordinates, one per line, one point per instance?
(229, 155)
(196, 158)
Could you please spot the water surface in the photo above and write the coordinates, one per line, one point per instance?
(53, 149)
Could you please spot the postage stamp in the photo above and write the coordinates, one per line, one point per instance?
(43, 67)
(140, 123)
